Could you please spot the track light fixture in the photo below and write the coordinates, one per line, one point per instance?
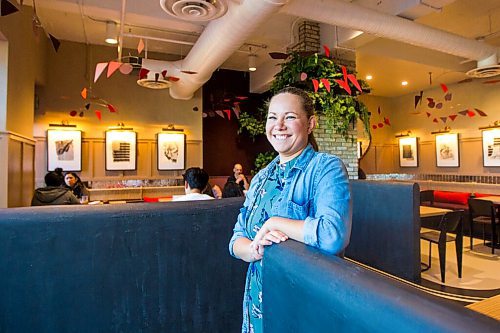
(252, 60)
(111, 34)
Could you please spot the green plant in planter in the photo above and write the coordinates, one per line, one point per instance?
(338, 107)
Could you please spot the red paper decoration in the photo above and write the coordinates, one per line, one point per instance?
(315, 84)
(326, 83)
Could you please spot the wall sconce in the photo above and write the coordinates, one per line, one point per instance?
(120, 126)
(252, 62)
(446, 129)
(62, 124)
(408, 133)
(496, 124)
(171, 128)
(111, 33)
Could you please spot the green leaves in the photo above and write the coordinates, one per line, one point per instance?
(254, 124)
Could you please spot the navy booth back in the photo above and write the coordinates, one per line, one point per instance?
(120, 268)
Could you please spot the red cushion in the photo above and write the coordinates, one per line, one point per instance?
(451, 197)
(150, 199)
(479, 195)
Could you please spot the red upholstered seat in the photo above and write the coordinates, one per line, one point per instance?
(150, 199)
(157, 199)
(451, 197)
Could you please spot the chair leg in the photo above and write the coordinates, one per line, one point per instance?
(442, 259)
(458, 249)
(471, 233)
(493, 236)
(427, 266)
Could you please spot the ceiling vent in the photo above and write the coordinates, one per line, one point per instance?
(154, 78)
(483, 72)
(194, 10)
(154, 84)
(486, 67)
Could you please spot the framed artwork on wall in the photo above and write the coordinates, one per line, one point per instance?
(64, 150)
(408, 152)
(171, 151)
(121, 150)
(447, 150)
(491, 147)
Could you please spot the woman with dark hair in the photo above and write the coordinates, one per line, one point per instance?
(231, 190)
(74, 183)
(302, 194)
(54, 193)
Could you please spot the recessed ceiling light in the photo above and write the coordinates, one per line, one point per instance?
(369, 77)
(404, 83)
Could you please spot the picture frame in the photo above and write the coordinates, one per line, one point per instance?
(408, 152)
(171, 151)
(121, 150)
(447, 150)
(64, 150)
(491, 147)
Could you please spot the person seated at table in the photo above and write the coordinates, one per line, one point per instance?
(213, 191)
(75, 185)
(216, 192)
(195, 181)
(231, 190)
(238, 177)
(54, 193)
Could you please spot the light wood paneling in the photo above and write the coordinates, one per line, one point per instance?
(20, 172)
(28, 174)
(15, 174)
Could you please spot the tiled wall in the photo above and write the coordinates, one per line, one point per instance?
(136, 183)
(437, 177)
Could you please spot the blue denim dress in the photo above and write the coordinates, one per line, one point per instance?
(268, 196)
(316, 190)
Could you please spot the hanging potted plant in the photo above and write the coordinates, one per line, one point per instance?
(333, 90)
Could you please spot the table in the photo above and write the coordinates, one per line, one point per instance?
(426, 211)
(489, 307)
(494, 198)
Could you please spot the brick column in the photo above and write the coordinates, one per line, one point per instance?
(328, 141)
(335, 144)
(309, 39)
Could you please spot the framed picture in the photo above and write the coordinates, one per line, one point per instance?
(491, 147)
(64, 150)
(447, 151)
(408, 152)
(171, 151)
(121, 150)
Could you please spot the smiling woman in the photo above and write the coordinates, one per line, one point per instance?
(302, 194)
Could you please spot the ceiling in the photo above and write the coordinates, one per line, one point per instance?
(387, 60)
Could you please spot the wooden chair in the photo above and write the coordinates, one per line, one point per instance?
(451, 221)
(482, 211)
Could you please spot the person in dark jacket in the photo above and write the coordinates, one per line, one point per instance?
(231, 189)
(54, 193)
(75, 185)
